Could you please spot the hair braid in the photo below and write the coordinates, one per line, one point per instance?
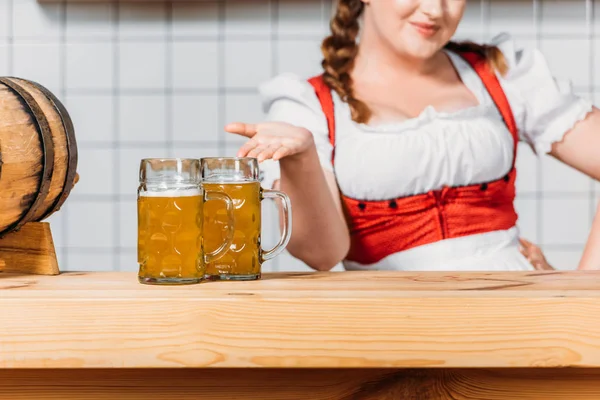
(339, 51)
(492, 54)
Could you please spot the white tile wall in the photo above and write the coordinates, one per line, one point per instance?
(514, 16)
(4, 57)
(303, 56)
(143, 20)
(199, 19)
(296, 19)
(142, 65)
(564, 16)
(38, 61)
(90, 224)
(249, 18)
(89, 66)
(157, 80)
(192, 71)
(193, 118)
(34, 21)
(5, 18)
(89, 21)
(95, 173)
(93, 115)
(560, 54)
(254, 55)
(242, 107)
(566, 221)
(142, 118)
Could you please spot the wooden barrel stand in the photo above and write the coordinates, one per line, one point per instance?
(29, 250)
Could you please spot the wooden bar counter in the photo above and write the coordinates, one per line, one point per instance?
(305, 336)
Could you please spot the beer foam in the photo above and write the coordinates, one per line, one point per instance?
(187, 192)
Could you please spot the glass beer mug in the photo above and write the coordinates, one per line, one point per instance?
(238, 178)
(170, 232)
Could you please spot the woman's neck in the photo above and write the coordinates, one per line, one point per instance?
(377, 61)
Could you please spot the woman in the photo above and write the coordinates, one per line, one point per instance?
(401, 155)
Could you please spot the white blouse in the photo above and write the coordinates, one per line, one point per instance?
(436, 149)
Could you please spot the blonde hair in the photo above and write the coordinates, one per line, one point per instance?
(340, 48)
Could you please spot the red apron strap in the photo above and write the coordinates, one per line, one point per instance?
(324, 95)
(491, 83)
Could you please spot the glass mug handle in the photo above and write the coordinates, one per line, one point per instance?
(220, 252)
(286, 233)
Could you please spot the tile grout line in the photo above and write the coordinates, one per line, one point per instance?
(485, 19)
(211, 91)
(522, 196)
(565, 247)
(537, 15)
(168, 89)
(222, 90)
(274, 14)
(116, 133)
(589, 12)
(10, 40)
(161, 92)
(64, 217)
(251, 37)
(309, 38)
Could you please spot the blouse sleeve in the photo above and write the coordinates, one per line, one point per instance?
(291, 99)
(545, 108)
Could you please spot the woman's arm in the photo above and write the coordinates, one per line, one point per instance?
(320, 236)
(580, 149)
(591, 253)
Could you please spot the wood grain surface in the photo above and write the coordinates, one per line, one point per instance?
(312, 320)
(303, 384)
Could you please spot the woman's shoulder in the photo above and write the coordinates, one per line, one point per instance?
(287, 85)
(290, 98)
(545, 105)
(523, 60)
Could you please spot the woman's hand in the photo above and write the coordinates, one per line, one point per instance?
(271, 140)
(534, 254)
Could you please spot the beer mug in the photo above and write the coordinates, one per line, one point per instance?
(170, 237)
(238, 178)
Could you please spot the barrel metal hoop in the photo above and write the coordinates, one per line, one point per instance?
(45, 134)
(71, 149)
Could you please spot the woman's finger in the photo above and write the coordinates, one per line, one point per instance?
(240, 128)
(283, 151)
(525, 242)
(256, 150)
(267, 153)
(246, 148)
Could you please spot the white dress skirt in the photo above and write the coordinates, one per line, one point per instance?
(436, 149)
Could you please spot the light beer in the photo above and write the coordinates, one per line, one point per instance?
(243, 259)
(170, 236)
(238, 179)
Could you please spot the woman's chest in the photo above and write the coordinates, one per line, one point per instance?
(387, 105)
(413, 158)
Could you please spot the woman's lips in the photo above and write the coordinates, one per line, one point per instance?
(425, 29)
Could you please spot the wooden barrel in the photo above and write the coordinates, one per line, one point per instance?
(38, 153)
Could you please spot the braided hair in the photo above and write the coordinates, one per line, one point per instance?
(340, 48)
